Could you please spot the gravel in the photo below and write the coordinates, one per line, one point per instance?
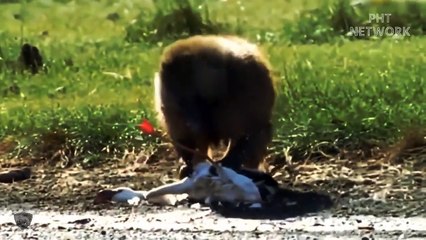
(150, 222)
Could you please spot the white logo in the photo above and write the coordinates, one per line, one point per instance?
(23, 219)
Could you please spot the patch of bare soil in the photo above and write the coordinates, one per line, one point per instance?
(387, 184)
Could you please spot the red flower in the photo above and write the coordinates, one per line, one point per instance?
(146, 127)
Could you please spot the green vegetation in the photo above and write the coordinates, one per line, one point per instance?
(101, 57)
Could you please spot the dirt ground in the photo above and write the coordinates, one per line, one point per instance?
(389, 191)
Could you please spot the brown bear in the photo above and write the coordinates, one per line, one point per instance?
(213, 88)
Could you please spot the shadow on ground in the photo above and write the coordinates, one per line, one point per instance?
(287, 203)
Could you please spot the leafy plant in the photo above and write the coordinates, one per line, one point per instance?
(338, 19)
(172, 20)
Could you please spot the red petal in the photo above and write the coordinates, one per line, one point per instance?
(146, 127)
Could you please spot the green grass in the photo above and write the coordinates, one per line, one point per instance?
(356, 92)
(341, 91)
